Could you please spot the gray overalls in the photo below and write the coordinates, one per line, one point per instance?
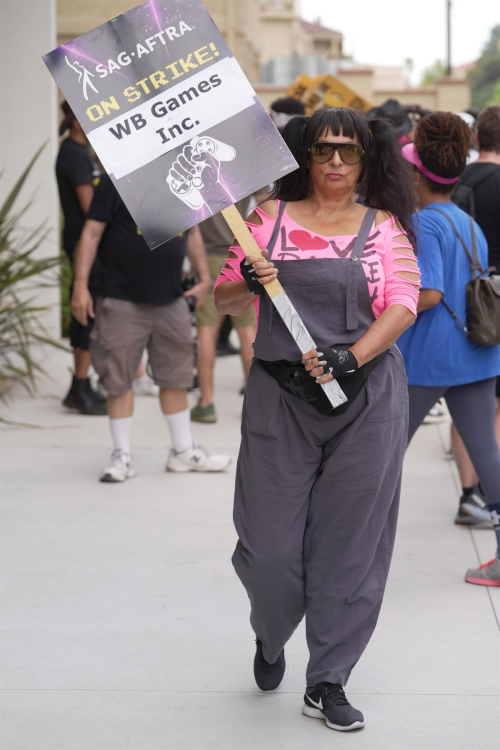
(317, 496)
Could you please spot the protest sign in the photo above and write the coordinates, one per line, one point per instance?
(170, 114)
(177, 126)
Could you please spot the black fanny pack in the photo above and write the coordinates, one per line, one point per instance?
(293, 378)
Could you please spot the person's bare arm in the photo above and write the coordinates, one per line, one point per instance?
(82, 305)
(233, 298)
(384, 332)
(428, 298)
(84, 195)
(196, 253)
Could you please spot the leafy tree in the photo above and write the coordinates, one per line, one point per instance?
(485, 77)
(432, 73)
(495, 99)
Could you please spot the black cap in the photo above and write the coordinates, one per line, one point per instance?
(288, 106)
(393, 111)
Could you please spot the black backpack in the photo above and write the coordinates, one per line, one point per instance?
(463, 195)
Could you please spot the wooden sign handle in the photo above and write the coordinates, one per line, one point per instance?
(248, 244)
(288, 313)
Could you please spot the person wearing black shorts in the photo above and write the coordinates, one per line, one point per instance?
(77, 175)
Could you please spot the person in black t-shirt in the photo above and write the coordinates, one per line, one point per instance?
(142, 305)
(483, 176)
(77, 174)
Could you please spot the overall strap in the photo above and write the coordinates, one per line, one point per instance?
(276, 229)
(363, 233)
(351, 299)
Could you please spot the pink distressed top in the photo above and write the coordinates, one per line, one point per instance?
(384, 255)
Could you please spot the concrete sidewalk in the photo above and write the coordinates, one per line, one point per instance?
(125, 627)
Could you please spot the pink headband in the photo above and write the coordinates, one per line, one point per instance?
(410, 154)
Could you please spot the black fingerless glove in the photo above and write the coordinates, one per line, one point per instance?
(250, 277)
(338, 362)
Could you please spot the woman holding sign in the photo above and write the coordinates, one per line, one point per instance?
(317, 489)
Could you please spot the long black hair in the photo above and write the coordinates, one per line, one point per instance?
(386, 178)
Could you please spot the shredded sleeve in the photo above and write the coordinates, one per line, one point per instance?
(261, 233)
(402, 275)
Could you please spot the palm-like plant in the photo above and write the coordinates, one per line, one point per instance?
(20, 274)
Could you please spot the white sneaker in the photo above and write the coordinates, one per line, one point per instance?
(435, 415)
(145, 386)
(196, 459)
(120, 468)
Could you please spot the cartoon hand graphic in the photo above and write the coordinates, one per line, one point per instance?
(196, 172)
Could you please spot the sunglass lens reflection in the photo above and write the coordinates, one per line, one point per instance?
(323, 152)
(350, 154)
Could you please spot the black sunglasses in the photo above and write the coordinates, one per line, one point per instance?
(322, 151)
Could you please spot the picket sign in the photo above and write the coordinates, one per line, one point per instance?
(171, 114)
(280, 300)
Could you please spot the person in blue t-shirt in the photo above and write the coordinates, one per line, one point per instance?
(439, 358)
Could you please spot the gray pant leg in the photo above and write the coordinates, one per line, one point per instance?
(422, 399)
(348, 544)
(472, 408)
(280, 455)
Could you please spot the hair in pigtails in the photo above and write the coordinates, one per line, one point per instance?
(292, 185)
(389, 177)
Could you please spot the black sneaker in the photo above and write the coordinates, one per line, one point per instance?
(475, 505)
(83, 399)
(328, 701)
(269, 677)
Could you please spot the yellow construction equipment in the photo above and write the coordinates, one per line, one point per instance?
(299, 87)
(326, 91)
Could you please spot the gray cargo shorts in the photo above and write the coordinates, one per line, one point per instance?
(124, 329)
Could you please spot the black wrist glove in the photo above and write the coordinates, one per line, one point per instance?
(338, 362)
(250, 277)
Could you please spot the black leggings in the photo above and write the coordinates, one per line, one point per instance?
(472, 408)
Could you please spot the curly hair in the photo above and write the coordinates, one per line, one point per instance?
(443, 140)
(385, 177)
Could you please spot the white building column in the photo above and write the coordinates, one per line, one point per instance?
(28, 118)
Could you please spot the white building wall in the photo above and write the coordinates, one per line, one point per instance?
(28, 118)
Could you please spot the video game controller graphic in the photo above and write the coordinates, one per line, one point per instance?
(195, 174)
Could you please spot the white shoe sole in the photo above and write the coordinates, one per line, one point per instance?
(429, 419)
(474, 512)
(185, 468)
(110, 479)
(281, 683)
(315, 713)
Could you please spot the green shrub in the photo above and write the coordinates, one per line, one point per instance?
(22, 275)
